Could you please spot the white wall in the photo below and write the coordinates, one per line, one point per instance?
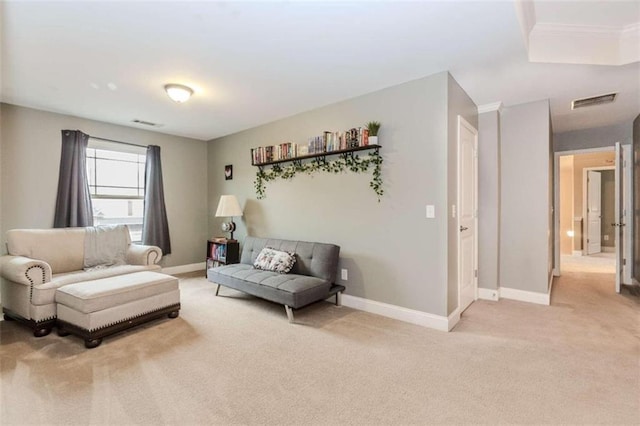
(30, 160)
(392, 252)
(489, 200)
(525, 208)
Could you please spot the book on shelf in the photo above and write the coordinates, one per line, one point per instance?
(212, 263)
(218, 252)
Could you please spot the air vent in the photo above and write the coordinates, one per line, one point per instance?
(146, 123)
(596, 100)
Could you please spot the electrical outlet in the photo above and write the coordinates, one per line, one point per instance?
(344, 275)
(606, 237)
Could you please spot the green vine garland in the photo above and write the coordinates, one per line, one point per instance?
(346, 162)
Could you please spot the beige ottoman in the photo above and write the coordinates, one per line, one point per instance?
(95, 309)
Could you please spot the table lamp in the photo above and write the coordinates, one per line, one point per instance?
(228, 207)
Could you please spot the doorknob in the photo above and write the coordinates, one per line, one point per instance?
(463, 228)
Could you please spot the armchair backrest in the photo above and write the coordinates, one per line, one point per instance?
(61, 248)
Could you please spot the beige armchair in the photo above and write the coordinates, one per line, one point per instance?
(39, 261)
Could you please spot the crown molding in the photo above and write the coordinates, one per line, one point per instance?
(548, 42)
(495, 106)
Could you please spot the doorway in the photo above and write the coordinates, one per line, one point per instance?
(467, 214)
(587, 222)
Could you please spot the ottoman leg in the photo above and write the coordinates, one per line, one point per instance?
(92, 343)
(174, 314)
(41, 332)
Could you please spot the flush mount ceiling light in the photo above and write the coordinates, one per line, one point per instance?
(178, 92)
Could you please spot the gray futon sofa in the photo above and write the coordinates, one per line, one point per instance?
(311, 279)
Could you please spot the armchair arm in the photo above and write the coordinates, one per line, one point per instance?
(139, 254)
(23, 270)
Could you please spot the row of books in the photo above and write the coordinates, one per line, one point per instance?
(218, 252)
(283, 151)
(328, 142)
(212, 263)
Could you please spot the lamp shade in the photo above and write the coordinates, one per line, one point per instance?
(228, 206)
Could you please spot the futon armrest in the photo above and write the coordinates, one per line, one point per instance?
(139, 254)
(24, 270)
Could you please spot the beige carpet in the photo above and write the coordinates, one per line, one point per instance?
(236, 360)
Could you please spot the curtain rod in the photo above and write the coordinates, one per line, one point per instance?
(123, 143)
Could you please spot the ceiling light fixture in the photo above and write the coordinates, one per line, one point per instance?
(178, 92)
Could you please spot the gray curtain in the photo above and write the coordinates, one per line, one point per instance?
(155, 227)
(73, 205)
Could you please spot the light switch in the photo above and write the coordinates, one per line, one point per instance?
(431, 211)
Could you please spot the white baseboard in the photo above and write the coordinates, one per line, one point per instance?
(182, 269)
(608, 249)
(525, 296)
(453, 319)
(577, 252)
(403, 314)
(488, 293)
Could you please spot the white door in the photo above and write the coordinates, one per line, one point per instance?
(594, 212)
(619, 216)
(467, 217)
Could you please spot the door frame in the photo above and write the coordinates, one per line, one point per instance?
(585, 194)
(465, 123)
(627, 194)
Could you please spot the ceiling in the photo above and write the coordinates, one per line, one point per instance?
(250, 63)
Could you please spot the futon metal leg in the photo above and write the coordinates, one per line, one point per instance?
(339, 298)
(289, 313)
(217, 289)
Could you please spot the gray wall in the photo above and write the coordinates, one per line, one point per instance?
(525, 206)
(489, 200)
(593, 138)
(459, 103)
(392, 252)
(30, 160)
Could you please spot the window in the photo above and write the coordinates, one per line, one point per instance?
(116, 184)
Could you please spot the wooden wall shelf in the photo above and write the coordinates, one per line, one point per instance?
(317, 155)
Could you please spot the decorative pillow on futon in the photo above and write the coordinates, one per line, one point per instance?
(274, 260)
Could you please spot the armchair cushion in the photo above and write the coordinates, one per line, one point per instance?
(105, 245)
(61, 248)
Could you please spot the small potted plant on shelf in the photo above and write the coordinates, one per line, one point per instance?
(373, 127)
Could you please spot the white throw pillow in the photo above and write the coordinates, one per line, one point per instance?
(274, 260)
